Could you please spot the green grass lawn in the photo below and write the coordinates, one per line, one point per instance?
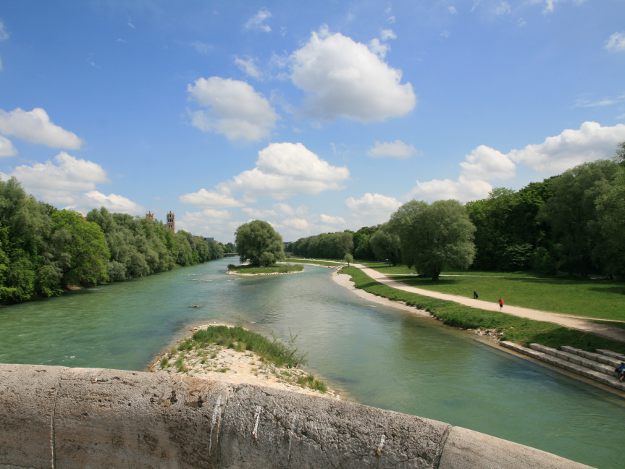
(520, 330)
(387, 269)
(588, 298)
(272, 269)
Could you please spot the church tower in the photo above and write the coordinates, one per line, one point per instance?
(171, 221)
(149, 216)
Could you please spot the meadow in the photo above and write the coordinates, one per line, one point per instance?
(599, 299)
(520, 330)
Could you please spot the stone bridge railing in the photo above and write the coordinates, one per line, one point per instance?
(75, 417)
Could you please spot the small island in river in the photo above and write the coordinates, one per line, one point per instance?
(239, 356)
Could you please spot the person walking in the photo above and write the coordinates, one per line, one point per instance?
(500, 303)
(475, 295)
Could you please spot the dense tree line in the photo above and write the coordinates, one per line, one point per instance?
(573, 223)
(43, 250)
(325, 245)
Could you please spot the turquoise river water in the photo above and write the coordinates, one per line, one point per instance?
(378, 356)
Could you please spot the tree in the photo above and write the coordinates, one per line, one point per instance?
(258, 243)
(610, 205)
(385, 245)
(572, 216)
(80, 249)
(436, 236)
(349, 259)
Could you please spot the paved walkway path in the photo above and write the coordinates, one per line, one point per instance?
(572, 322)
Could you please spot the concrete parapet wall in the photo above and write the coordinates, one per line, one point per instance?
(77, 417)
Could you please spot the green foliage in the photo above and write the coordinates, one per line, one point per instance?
(571, 213)
(81, 247)
(348, 258)
(609, 252)
(507, 227)
(42, 249)
(362, 242)
(237, 337)
(326, 245)
(309, 381)
(434, 237)
(523, 331)
(258, 243)
(386, 245)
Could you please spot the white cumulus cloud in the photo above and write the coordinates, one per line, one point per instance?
(395, 149)
(571, 147)
(58, 181)
(113, 202)
(487, 163)
(331, 220)
(6, 147)
(204, 223)
(372, 208)
(299, 224)
(36, 127)
(616, 42)
(555, 154)
(71, 182)
(345, 78)
(284, 169)
(207, 198)
(232, 108)
(463, 189)
(257, 22)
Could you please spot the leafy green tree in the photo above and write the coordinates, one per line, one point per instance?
(402, 223)
(436, 236)
(610, 206)
(386, 245)
(258, 243)
(572, 216)
(325, 245)
(48, 280)
(349, 259)
(362, 242)
(81, 249)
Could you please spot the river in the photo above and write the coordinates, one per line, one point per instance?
(379, 356)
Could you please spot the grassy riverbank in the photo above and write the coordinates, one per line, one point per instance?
(238, 355)
(272, 269)
(601, 299)
(242, 340)
(520, 330)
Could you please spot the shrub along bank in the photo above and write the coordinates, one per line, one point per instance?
(515, 329)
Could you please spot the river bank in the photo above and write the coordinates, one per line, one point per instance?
(489, 333)
(235, 364)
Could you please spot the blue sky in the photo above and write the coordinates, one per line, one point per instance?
(315, 116)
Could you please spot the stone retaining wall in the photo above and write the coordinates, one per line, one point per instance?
(76, 417)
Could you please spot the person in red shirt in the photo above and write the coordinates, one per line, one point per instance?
(500, 303)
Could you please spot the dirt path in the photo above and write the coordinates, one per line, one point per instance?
(572, 322)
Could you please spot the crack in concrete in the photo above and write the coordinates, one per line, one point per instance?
(439, 454)
(53, 425)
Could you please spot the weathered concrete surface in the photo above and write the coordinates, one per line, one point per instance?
(64, 417)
